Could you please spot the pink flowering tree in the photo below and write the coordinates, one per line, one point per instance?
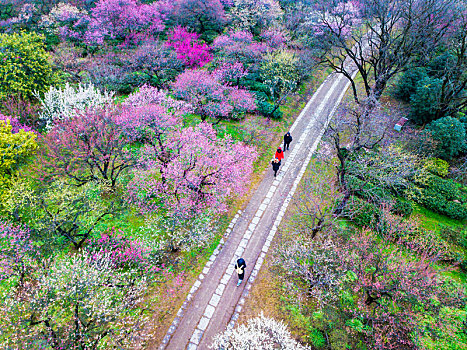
(189, 49)
(210, 97)
(201, 16)
(240, 46)
(200, 172)
(125, 21)
(87, 147)
(17, 252)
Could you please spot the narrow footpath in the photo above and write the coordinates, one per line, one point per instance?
(214, 301)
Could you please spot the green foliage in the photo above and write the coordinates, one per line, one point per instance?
(402, 208)
(362, 213)
(368, 190)
(423, 103)
(449, 333)
(61, 214)
(267, 109)
(407, 83)
(435, 201)
(445, 187)
(24, 65)
(453, 235)
(449, 136)
(15, 148)
(436, 166)
(317, 338)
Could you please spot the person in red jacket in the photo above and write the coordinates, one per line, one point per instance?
(279, 154)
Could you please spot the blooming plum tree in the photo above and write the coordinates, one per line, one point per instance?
(124, 21)
(90, 146)
(61, 212)
(211, 98)
(199, 15)
(373, 34)
(199, 172)
(254, 15)
(239, 46)
(64, 103)
(188, 48)
(259, 333)
(79, 303)
(17, 252)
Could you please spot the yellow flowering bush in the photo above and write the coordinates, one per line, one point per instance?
(24, 65)
(14, 149)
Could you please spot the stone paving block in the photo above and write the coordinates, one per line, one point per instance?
(266, 201)
(203, 323)
(269, 194)
(206, 270)
(196, 337)
(192, 346)
(209, 311)
(263, 207)
(220, 289)
(215, 300)
(255, 220)
(201, 276)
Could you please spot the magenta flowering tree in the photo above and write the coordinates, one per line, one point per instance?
(201, 172)
(188, 48)
(210, 97)
(17, 252)
(87, 147)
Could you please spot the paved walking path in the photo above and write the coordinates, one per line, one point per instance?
(214, 301)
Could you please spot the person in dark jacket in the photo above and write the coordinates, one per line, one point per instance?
(287, 140)
(279, 154)
(240, 267)
(276, 163)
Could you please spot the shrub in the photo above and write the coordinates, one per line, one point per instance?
(449, 136)
(433, 200)
(15, 148)
(402, 208)
(25, 65)
(407, 83)
(267, 109)
(423, 103)
(447, 188)
(437, 166)
(362, 213)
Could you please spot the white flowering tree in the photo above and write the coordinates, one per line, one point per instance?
(63, 103)
(260, 333)
(81, 302)
(182, 234)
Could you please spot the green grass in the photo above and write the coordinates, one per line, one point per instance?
(433, 221)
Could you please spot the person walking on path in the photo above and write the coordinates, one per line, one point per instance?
(276, 163)
(287, 140)
(240, 267)
(279, 154)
